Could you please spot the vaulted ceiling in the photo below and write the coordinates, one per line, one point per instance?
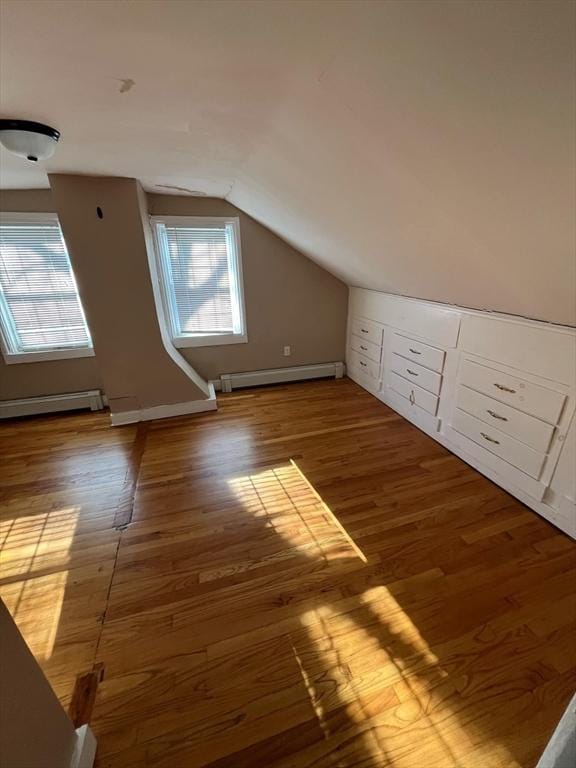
(423, 148)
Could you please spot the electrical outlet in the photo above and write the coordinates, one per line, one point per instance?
(287, 351)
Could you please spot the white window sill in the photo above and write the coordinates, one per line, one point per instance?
(182, 342)
(40, 357)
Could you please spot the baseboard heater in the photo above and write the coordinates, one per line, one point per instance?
(230, 381)
(32, 406)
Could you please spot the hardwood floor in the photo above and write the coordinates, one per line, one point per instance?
(301, 579)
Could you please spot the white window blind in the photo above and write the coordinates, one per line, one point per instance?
(201, 277)
(40, 309)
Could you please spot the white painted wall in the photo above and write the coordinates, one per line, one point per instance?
(423, 148)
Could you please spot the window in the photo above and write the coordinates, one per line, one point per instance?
(41, 317)
(200, 274)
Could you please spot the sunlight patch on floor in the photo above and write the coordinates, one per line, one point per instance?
(37, 542)
(289, 504)
(37, 548)
(363, 657)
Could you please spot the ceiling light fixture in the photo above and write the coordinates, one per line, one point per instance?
(25, 138)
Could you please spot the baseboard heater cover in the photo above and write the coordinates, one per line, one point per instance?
(230, 381)
(32, 406)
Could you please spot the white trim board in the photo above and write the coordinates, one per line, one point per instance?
(230, 381)
(177, 357)
(85, 749)
(165, 411)
(32, 406)
(561, 749)
(13, 358)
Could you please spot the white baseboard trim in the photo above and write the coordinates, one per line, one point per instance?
(561, 749)
(165, 411)
(85, 749)
(230, 381)
(32, 406)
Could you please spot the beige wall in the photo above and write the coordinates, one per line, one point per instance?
(26, 200)
(289, 299)
(111, 265)
(55, 377)
(34, 729)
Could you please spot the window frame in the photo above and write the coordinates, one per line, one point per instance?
(63, 353)
(200, 339)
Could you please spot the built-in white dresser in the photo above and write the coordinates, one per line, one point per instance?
(499, 391)
(365, 351)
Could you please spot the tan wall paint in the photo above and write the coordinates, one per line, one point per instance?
(26, 200)
(53, 377)
(110, 262)
(34, 729)
(289, 299)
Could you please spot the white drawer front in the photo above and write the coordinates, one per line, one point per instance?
(366, 329)
(430, 380)
(364, 364)
(535, 433)
(424, 354)
(366, 348)
(415, 394)
(495, 441)
(544, 403)
(418, 416)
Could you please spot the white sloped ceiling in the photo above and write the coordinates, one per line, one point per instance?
(424, 148)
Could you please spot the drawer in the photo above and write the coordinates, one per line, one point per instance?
(415, 394)
(535, 433)
(366, 329)
(424, 354)
(364, 364)
(429, 380)
(418, 416)
(531, 398)
(514, 452)
(366, 348)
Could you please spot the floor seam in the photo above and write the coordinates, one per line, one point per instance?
(106, 605)
(124, 513)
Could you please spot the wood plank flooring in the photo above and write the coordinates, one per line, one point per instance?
(302, 579)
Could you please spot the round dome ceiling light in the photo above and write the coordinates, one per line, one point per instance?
(25, 138)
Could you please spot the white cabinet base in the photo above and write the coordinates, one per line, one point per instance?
(563, 517)
(566, 521)
(508, 386)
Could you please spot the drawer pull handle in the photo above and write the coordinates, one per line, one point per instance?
(505, 389)
(412, 398)
(496, 415)
(363, 330)
(361, 363)
(412, 373)
(490, 439)
(414, 351)
(364, 348)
